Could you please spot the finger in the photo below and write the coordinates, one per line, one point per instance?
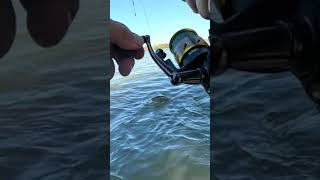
(123, 37)
(8, 26)
(125, 66)
(192, 5)
(123, 59)
(48, 21)
(203, 8)
(138, 54)
(115, 52)
(73, 8)
(112, 69)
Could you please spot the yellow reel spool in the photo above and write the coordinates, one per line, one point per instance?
(183, 43)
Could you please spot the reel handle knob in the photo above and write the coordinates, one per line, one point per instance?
(161, 53)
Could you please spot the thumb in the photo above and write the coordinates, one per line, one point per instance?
(121, 36)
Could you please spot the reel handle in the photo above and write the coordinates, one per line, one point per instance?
(175, 75)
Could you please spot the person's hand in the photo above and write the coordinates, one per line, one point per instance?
(201, 7)
(47, 21)
(125, 46)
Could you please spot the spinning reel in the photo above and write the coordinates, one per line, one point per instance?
(191, 54)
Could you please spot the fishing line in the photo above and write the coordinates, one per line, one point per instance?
(145, 15)
(144, 12)
(134, 9)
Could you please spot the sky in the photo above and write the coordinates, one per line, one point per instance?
(165, 17)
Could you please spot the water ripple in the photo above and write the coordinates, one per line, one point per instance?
(158, 131)
(266, 128)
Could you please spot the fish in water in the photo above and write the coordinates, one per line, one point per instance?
(159, 101)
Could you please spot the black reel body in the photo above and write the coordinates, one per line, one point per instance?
(268, 36)
(191, 54)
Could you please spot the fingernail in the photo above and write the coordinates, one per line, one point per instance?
(139, 40)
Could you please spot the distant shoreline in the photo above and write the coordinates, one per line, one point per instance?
(164, 45)
(157, 46)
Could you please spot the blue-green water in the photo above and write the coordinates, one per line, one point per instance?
(265, 127)
(158, 131)
(53, 102)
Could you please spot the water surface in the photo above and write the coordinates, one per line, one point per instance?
(53, 102)
(265, 127)
(158, 131)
